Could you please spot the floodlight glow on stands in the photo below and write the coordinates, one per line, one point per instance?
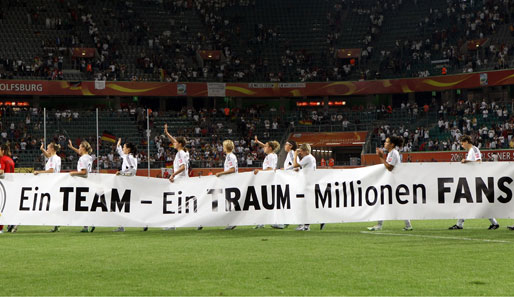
(13, 103)
(318, 103)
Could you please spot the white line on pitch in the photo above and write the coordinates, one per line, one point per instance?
(434, 236)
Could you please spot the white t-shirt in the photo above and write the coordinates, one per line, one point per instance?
(270, 161)
(129, 165)
(474, 154)
(308, 162)
(85, 162)
(230, 162)
(181, 158)
(53, 162)
(393, 158)
(288, 163)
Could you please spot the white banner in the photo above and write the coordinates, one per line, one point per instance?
(99, 84)
(410, 191)
(216, 89)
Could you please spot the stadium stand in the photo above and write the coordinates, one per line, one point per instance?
(163, 40)
(433, 127)
(252, 41)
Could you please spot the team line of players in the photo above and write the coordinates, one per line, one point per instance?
(297, 158)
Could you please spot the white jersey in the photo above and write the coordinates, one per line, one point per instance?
(308, 162)
(393, 158)
(474, 154)
(85, 162)
(288, 163)
(54, 162)
(270, 162)
(129, 165)
(230, 162)
(181, 158)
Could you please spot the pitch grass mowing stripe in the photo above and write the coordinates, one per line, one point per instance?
(432, 236)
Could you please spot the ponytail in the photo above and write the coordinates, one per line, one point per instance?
(275, 146)
(56, 147)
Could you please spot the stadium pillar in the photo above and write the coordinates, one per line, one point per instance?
(448, 96)
(162, 104)
(35, 101)
(412, 97)
(325, 104)
(117, 103)
(486, 92)
(239, 102)
(189, 101)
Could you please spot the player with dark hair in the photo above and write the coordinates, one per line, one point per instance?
(290, 147)
(127, 154)
(6, 166)
(84, 166)
(270, 149)
(181, 161)
(392, 159)
(53, 164)
(128, 166)
(473, 155)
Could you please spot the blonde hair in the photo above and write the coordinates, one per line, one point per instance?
(56, 147)
(305, 147)
(228, 145)
(275, 146)
(86, 146)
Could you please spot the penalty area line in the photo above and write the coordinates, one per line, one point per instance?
(435, 237)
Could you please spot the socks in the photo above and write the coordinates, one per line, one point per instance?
(460, 223)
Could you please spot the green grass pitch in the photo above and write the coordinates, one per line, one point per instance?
(344, 259)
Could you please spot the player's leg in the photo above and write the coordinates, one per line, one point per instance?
(377, 227)
(494, 224)
(458, 226)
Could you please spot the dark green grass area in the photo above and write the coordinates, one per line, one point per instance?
(344, 259)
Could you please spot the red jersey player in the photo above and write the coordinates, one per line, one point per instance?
(6, 165)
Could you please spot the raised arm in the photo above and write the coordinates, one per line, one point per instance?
(171, 138)
(70, 145)
(45, 152)
(258, 142)
(119, 149)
